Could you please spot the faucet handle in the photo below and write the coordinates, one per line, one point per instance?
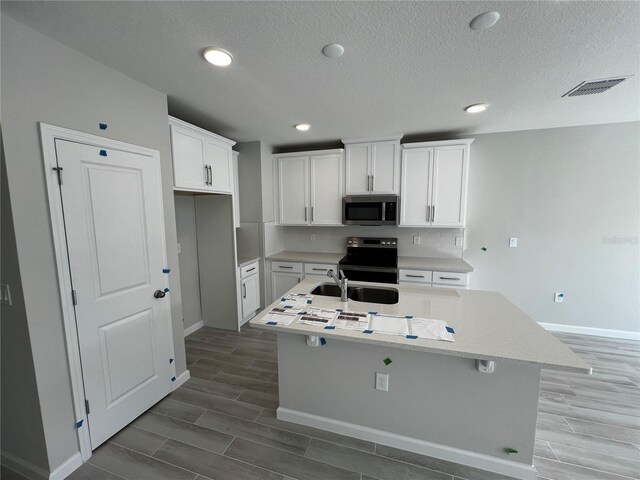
(329, 273)
(342, 275)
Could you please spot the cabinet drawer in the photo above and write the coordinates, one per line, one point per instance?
(291, 267)
(318, 268)
(250, 269)
(418, 276)
(450, 278)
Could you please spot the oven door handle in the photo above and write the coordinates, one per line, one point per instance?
(365, 268)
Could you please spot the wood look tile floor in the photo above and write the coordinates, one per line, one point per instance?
(221, 424)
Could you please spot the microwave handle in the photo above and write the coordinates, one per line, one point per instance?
(384, 208)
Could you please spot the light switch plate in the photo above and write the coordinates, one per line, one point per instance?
(416, 239)
(5, 294)
(382, 381)
(513, 242)
(458, 241)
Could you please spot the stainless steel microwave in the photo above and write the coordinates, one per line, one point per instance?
(370, 210)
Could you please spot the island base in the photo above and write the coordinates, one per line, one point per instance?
(437, 405)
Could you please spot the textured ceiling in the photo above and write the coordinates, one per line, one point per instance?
(408, 67)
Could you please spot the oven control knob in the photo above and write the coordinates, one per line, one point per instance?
(384, 243)
(393, 243)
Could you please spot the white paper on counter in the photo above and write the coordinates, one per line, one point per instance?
(281, 316)
(299, 300)
(431, 329)
(352, 320)
(318, 316)
(389, 324)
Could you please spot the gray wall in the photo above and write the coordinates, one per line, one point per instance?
(43, 80)
(571, 196)
(188, 257)
(22, 432)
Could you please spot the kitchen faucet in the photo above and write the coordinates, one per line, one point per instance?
(341, 282)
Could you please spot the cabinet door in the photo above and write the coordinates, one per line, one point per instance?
(327, 189)
(250, 295)
(385, 167)
(414, 204)
(357, 172)
(449, 185)
(293, 190)
(218, 158)
(188, 152)
(236, 191)
(283, 282)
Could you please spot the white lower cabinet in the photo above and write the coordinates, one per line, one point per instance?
(434, 279)
(250, 290)
(282, 282)
(286, 275)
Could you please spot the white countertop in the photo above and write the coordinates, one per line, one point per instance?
(307, 257)
(487, 326)
(243, 261)
(455, 265)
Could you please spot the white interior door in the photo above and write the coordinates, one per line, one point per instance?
(414, 206)
(113, 212)
(327, 189)
(447, 186)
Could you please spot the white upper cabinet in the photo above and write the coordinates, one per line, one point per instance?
(310, 187)
(372, 168)
(293, 179)
(434, 183)
(236, 190)
(202, 161)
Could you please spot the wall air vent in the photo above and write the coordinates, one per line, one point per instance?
(591, 87)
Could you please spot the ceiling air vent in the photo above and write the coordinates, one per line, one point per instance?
(591, 87)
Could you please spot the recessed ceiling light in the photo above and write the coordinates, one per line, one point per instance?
(476, 108)
(484, 20)
(303, 127)
(333, 50)
(218, 56)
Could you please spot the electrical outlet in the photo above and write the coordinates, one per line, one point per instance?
(312, 237)
(558, 297)
(513, 242)
(416, 239)
(382, 381)
(458, 241)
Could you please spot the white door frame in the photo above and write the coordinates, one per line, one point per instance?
(49, 134)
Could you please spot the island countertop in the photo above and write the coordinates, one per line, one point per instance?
(487, 326)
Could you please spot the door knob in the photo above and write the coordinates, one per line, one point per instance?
(159, 294)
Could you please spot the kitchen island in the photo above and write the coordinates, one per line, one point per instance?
(473, 401)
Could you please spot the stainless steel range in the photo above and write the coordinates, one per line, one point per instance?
(371, 259)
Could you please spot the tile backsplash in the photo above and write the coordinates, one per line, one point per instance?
(434, 242)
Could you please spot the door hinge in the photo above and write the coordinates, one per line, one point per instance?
(59, 172)
(86, 406)
(74, 297)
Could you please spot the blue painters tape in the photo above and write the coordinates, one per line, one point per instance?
(450, 330)
(323, 341)
(103, 126)
(170, 361)
(339, 310)
(309, 302)
(408, 317)
(367, 331)
(166, 270)
(282, 299)
(302, 313)
(330, 327)
(412, 337)
(173, 379)
(166, 290)
(79, 424)
(103, 153)
(272, 323)
(373, 313)
(288, 306)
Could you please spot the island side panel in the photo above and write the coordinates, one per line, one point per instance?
(435, 398)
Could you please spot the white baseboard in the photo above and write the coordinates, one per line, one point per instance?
(183, 377)
(598, 332)
(67, 468)
(193, 328)
(24, 468)
(423, 447)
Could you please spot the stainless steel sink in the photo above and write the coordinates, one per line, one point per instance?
(387, 296)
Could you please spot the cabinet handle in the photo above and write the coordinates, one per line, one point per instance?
(251, 269)
(244, 290)
(283, 266)
(415, 276)
(313, 213)
(210, 175)
(433, 213)
(428, 213)
(206, 175)
(448, 278)
(319, 269)
(305, 214)
(373, 181)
